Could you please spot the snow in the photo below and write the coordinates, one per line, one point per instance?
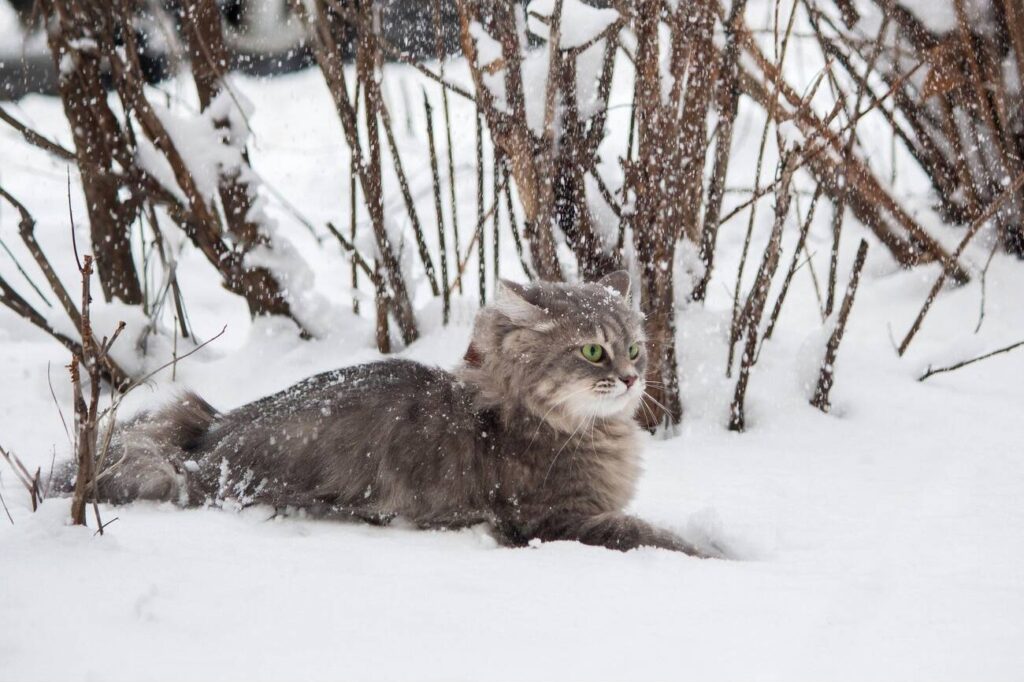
(10, 29)
(488, 50)
(199, 141)
(580, 22)
(883, 540)
(941, 17)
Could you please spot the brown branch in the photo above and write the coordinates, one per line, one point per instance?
(35, 139)
(728, 106)
(446, 293)
(24, 477)
(109, 369)
(793, 266)
(368, 166)
(932, 372)
(450, 149)
(870, 202)
(480, 220)
(6, 510)
(827, 375)
(410, 205)
(749, 319)
(85, 413)
(26, 228)
(357, 257)
(462, 263)
(753, 309)
(1009, 193)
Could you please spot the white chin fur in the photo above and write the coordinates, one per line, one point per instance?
(606, 404)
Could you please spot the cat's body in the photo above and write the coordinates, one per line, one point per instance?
(529, 435)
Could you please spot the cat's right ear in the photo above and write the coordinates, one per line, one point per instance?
(510, 301)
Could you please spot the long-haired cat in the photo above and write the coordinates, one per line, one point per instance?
(534, 433)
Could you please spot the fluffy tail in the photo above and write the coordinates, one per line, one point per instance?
(149, 456)
(184, 422)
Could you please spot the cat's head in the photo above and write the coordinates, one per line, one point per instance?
(566, 352)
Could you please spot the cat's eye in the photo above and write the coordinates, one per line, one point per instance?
(592, 352)
(634, 351)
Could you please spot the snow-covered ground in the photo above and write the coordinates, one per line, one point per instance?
(882, 541)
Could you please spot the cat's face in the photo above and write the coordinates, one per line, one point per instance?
(572, 353)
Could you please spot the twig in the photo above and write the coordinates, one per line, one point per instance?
(71, 221)
(827, 376)
(772, 114)
(462, 263)
(479, 237)
(932, 372)
(23, 476)
(56, 402)
(6, 510)
(801, 242)
(446, 292)
(357, 257)
(506, 175)
(85, 413)
(25, 275)
(35, 139)
(395, 53)
(749, 319)
(450, 149)
(728, 103)
(753, 309)
(99, 531)
(984, 276)
(26, 228)
(410, 205)
(737, 411)
(993, 208)
(496, 193)
(139, 382)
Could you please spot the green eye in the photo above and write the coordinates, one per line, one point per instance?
(592, 352)
(634, 351)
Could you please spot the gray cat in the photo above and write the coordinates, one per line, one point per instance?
(533, 434)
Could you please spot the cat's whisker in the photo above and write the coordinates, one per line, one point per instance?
(654, 400)
(593, 423)
(648, 411)
(555, 458)
(556, 404)
(665, 410)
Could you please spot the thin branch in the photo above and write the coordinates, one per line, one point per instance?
(932, 372)
(35, 139)
(1009, 193)
(6, 510)
(446, 292)
(984, 277)
(827, 375)
(357, 257)
(26, 228)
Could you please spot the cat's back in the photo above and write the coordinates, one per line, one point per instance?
(355, 403)
(359, 436)
(383, 384)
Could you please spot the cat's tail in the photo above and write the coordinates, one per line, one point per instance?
(185, 422)
(150, 457)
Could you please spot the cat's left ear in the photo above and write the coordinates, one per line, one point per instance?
(618, 281)
(510, 300)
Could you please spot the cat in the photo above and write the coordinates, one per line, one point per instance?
(533, 434)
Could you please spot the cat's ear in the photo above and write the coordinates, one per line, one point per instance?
(618, 281)
(510, 301)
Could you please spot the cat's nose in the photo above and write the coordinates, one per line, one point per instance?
(628, 380)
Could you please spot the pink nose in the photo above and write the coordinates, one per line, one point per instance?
(629, 380)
